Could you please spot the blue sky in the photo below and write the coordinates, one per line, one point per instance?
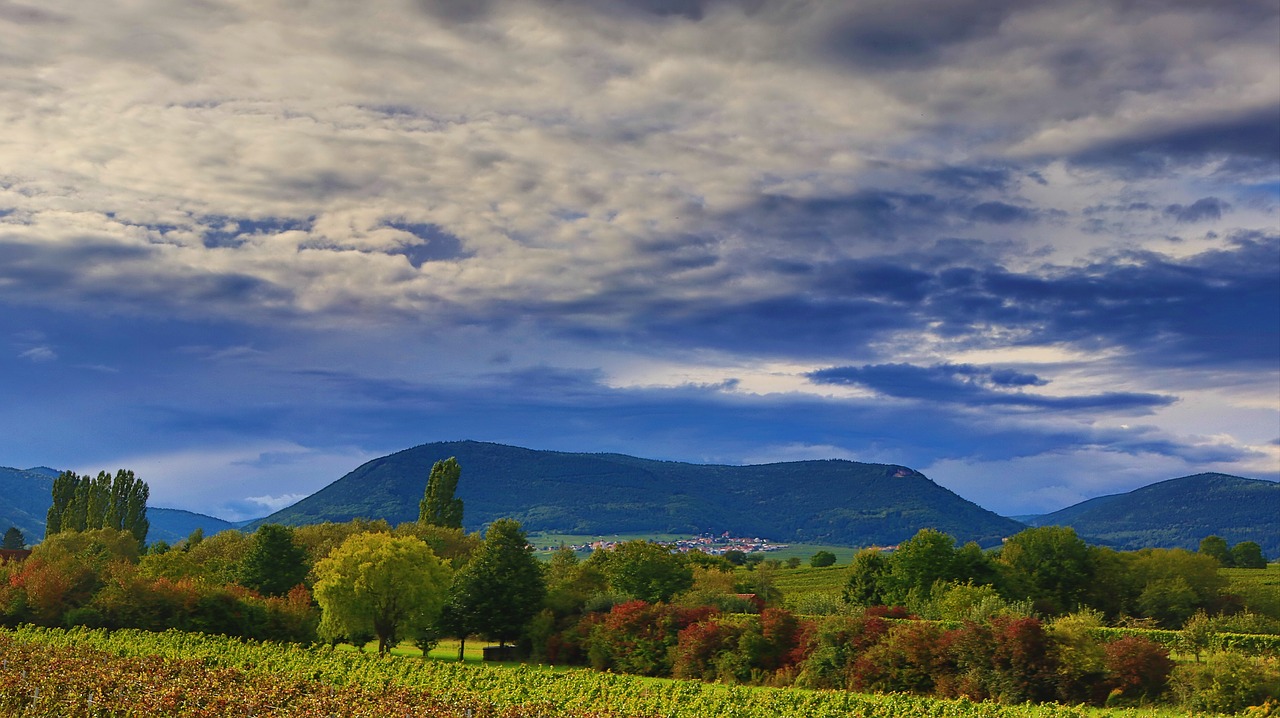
(1031, 249)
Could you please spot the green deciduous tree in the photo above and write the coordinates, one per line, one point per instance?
(822, 559)
(274, 564)
(439, 507)
(867, 579)
(1247, 554)
(380, 585)
(14, 540)
(917, 564)
(1216, 546)
(500, 589)
(1050, 565)
(644, 570)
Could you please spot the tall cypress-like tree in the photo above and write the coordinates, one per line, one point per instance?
(83, 503)
(439, 507)
(64, 490)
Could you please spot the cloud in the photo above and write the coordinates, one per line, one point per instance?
(969, 385)
(1201, 209)
(39, 354)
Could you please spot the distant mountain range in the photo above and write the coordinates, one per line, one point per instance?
(26, 494)
(835, 502)
(1178, 513)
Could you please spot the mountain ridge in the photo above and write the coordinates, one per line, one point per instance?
(1164, 514)
(832, 500)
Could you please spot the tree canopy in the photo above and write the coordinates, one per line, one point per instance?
(85, 503)
(274, 564)
(13, 539)
(644, 570)
(439, 507)
(500, 588)
(379, 585)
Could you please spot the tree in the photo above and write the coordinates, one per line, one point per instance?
(822, 559)
(85, 503)
(380, 585)
(14, 540)
(917, 564)
(1216, 546)
(1050, 565)
(644, 570)
(438, 506)
(501, 588)
(867, 579)
(64, 491)
(274, 564)
(1247, 554)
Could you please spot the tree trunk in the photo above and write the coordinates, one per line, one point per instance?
(462, 647)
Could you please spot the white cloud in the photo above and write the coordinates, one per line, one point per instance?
(39, 354)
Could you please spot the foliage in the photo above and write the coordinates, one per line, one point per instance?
(1217, 547)
(439, 506)
(274, 563)
(644, 570)
(868, 579)
(100, 662)
(380, 585)
(84, 503)
(1137, 669)
(1247, 554)
(13, 539)
(1227, 682)
(1050, 565)
(822, 558)
(501, 588)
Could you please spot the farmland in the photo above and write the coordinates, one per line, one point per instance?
(52, 672)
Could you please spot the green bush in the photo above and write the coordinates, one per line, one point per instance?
(1226, 682)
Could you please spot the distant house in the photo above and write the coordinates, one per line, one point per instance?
(10, 554)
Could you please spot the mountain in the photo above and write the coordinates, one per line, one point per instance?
(174, 525)
(835, 502)
(1178, 513)
(26, 494)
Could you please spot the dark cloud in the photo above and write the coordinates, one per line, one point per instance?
(1251, 138)
(1201, 209)
(910, 34)
(975, 386)
(971, 179)
(1001, 213)
(455, 11)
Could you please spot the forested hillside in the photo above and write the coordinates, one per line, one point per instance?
(836, 502)
(1178, 513)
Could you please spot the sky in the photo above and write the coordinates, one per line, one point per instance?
(1030, 249)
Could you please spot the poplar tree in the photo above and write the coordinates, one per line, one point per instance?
(439, 507)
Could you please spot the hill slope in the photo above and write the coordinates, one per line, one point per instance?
(26, 494)
(25, 497)
(1178, 513)
(836, 502)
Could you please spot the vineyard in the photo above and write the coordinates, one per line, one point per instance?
(82, 673)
